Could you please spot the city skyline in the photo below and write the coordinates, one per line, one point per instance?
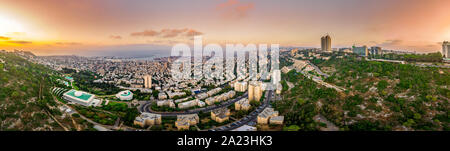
(67, 27)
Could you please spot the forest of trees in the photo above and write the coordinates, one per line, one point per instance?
(430, 57)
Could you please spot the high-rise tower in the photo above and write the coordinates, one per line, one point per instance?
(445, 49)
(148, 81)
(326, 43)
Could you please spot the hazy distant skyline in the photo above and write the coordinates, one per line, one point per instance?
(48, 27)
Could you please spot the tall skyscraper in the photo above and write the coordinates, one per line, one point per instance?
(148, 81)
(326, 43)
(446, 49)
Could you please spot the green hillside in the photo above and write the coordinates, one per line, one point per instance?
(25, 100)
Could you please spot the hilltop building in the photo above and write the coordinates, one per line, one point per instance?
(362, 51)
(80, 97)
(326, 43)
(375, 51)
(446, 50)
(126, 95)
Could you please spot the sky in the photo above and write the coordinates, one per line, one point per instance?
(65, 27)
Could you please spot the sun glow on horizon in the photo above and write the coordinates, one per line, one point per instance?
(8, 25)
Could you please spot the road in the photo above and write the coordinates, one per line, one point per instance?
(318, 70)
(250, 117)
(73, 111)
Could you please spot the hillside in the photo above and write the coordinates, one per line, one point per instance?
(25, 100)
(378, 96)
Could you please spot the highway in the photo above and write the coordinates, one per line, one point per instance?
(250, 117)
(146, 107)
(243, 121)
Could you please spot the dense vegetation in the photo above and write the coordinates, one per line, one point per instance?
(430, 57)
(85, 81)
(379, 96)
(25, 100)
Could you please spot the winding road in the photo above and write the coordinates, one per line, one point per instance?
(249, 118)
(146, 108)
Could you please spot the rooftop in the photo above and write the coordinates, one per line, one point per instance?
(79, 94)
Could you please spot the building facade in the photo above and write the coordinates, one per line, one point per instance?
(80, 97)
(326, 43)
(375, 50)
(445, 50)
(254, 91)
(126, 95)
(362, 51)
(148, 81)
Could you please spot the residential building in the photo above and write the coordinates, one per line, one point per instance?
(242, 104)
(446, 50)
(162, 96)
(192, 103)
(148, 81)
(375, 51)
(362, 51)
(220, 115)
(185, 121)
(240, 86)
(277, 120)
(146, 119)
(265, 115)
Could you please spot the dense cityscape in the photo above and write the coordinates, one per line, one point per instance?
(107, 93)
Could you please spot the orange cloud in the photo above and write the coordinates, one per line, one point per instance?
(150, 33)
(19, 42)
(168, 33)
(115, 37)
(68, 43)
(192, 32)
(235, 8)
(4, 38)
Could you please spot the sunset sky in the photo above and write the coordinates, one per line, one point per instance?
(55, 27)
